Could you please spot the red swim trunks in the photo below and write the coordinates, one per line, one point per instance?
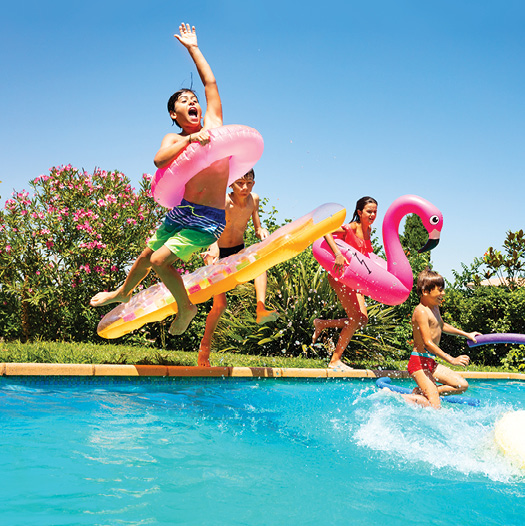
(421, 361)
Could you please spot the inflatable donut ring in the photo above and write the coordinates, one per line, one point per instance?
(243, 145)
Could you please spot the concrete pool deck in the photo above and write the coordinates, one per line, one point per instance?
(56, 369)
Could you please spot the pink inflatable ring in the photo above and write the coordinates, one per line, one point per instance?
(243, 145)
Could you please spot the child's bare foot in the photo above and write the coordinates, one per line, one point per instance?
(203, 360)
(265, 316)
(317, 330)
(339, 367)
(182, 320)
(105, 298)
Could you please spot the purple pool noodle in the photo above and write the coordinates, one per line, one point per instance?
(502, 337)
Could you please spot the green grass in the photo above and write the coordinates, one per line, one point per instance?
(64, 352)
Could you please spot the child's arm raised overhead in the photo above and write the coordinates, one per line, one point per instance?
(213, 115)
(173, 143)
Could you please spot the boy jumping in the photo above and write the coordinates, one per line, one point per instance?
(200, 218)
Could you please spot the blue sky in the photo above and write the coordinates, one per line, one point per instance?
(353, 98)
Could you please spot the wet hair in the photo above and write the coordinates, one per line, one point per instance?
(250, 174)
(427, 280)
(360, 205)
(174, 98)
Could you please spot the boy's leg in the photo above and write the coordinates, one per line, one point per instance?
(263, 315)
(428, 388)
(162, 262)
(453, 382)
(137, 273)
(219, 306)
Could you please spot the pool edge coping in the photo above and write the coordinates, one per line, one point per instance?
(57, 369)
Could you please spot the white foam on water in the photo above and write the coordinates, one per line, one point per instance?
(459, 438)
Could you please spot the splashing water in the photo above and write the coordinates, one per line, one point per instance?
(456, 438)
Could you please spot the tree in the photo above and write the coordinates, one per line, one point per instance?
(509, 266)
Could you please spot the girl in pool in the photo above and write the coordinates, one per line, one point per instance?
(357, 234)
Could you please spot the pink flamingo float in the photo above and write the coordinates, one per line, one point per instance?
(389, 281)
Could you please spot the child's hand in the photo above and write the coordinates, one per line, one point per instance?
(462, 360)
(208, 258)
(262, 233)
(187, 36)
(202, 137)
(339, 263)
(211, 255)
(472, 336)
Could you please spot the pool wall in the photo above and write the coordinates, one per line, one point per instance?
(56, 369)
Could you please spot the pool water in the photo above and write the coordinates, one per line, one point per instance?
(251, 452)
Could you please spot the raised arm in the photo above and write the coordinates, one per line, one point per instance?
(188, 38)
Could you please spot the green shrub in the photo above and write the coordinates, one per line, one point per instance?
(487, 310)
(299, 290)
(75, 236)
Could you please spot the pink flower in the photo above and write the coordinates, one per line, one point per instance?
(8, 248)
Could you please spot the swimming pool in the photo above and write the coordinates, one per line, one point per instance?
(103, 451)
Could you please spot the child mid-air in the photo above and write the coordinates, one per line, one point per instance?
(200, 218)
(427, 326)
(241, 205)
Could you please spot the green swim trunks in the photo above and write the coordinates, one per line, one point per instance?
(188, 228)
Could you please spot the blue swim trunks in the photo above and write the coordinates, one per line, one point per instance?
(188, 228)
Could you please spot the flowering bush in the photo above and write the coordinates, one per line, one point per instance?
(76, 235)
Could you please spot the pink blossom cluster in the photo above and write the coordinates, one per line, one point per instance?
(93, 244)
(81, 214)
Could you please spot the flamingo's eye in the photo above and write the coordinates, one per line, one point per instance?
(434, 220)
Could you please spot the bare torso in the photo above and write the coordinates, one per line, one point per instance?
(238, 215)
(435, 323)
(209, 186)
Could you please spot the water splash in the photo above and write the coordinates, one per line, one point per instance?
(459, 439)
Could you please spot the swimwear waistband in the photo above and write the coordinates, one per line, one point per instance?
(224, 252)
(197, 217)
(423, 354)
